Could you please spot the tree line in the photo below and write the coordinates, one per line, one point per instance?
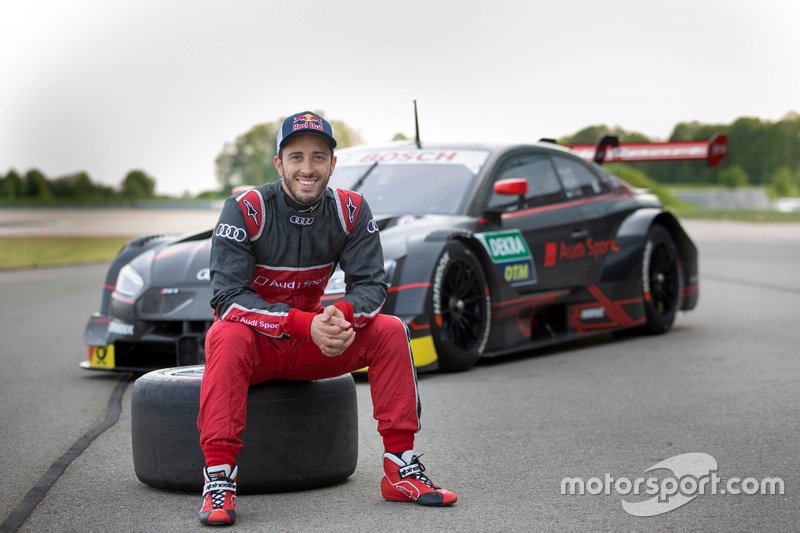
(760, 152)
(34, 187)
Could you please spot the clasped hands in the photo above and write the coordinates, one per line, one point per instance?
(331, 332)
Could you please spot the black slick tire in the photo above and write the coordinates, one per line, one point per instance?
(662, 280)
(460, 308)
(300, 434)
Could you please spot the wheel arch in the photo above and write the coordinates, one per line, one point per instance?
(469, 240)
(419, 263)
(630, 239)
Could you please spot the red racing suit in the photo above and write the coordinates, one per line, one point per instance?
(270, 264)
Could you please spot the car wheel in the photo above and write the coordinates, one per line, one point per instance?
(662, 280)
(460, 308)
(299, 435)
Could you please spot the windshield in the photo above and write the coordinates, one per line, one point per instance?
(411, 182)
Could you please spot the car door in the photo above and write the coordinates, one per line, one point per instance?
(548, 222)
(601, 213)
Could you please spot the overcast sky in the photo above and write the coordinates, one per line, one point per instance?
(107, 86)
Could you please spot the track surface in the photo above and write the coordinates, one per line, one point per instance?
(725, 382)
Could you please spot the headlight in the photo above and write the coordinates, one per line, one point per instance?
(129, 282)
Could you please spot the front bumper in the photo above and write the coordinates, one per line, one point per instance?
(143, 346)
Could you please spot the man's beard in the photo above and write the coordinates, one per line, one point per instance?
(292, 188)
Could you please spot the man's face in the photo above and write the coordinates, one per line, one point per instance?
(306, 167)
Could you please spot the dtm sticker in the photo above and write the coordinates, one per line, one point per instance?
(511, 256)
(101, 357)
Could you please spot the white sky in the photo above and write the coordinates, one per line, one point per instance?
(107, 86)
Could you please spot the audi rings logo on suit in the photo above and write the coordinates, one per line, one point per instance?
(301, 221)
(231, 232)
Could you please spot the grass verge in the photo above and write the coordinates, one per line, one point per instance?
(32, 252)
(740, 215)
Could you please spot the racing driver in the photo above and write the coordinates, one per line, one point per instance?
(273, 251)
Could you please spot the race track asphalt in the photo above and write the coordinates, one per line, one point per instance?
(724, 382)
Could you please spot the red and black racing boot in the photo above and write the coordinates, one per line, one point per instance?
(404, 481)
(219, 496)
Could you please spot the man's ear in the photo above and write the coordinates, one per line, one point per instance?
(278, 165)
(333, 165)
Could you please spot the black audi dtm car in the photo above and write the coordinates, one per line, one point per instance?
(488, 250)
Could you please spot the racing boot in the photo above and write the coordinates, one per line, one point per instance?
(404, 481)
(219, 495)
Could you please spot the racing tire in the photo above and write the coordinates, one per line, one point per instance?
(460, 308)
(299, 435)
(662, 280)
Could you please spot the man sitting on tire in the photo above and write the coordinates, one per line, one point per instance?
(272, 253)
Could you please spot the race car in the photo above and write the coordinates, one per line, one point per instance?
(488, 250)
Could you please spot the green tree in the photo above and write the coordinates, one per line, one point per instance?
(79, 186)
(248, 159)
(345, 135)
(12, 186)
(759, 147)
(783, 183)
(733, 177)
(137, 184)
(36, 186)
(592, 134)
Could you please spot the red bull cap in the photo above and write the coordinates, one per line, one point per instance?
(305, 122)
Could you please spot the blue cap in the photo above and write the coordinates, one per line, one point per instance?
(305, 122)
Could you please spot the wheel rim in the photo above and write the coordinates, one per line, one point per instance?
(663, 280)
(462, 304)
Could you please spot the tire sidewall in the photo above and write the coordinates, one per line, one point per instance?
(656, 322)
(299, 434)
(453, 358)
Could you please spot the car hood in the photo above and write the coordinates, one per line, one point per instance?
(177, 264)
(396, 230)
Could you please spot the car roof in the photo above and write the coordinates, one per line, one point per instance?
(409, 144)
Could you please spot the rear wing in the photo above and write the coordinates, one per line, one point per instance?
(610, 150)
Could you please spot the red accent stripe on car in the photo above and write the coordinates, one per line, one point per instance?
(613, 309)
(513, 306)
(562, 205)
(408, 286)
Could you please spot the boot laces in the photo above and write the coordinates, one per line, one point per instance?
(217, 489)
(415, 469)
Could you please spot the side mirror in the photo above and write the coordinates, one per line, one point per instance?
(511, 187)
(508, 187)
